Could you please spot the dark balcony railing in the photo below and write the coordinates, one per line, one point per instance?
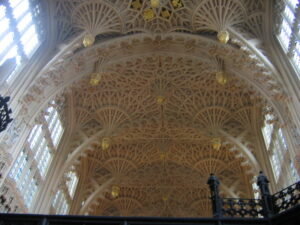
(282, 208)
(266, 207)
(286, 198)
(238, 207)
(27, 219)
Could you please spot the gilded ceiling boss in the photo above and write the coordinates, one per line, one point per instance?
(125, 107)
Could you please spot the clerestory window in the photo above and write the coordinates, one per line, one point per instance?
(289, 35)
(20, 33)
(59, 203)
(275, 142)
(71, 183)
(267, 129)
(33, 161)
(294, 172)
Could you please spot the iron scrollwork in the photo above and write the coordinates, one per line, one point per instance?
(266, 207)
(287, 198)
(4, 113)
(237, 207)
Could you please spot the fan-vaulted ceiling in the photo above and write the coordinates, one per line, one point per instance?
(162, 149)
(158, 101)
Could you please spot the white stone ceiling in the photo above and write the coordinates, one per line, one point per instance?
(162, 149)
(160, 152)
(128, 16)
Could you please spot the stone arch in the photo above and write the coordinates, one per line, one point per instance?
(83, 64)
(79, 67)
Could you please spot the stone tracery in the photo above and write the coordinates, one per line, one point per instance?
(141, 142)
(146, 135)
(133, 16)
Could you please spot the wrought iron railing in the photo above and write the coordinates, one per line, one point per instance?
(286, 198)
(238, 207)
(267, 207)
(28, 219)
(281, 208)
(4, 113)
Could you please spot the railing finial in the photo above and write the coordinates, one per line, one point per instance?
(214, 183)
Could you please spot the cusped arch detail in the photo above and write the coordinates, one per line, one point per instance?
(112, 117)
(208, 166)
(218, 15)
(212, 117)
(117, 165)
(97, 18)
(82, 71)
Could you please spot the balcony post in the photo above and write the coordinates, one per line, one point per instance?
(44, 221)
(266, 197)
(214, 183)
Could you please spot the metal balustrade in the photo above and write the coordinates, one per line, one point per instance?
(282, 208)
(268, 206)
(238, 207)
(286, 198)
(27, 219)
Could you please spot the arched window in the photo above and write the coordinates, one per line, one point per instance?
(19, 34)
(289, 35)
(267, 129)
(275, 142)
(60, 203)
(30, 191)
(31, 165)
(35, 137)
(294, 172)
(54, 125)
(19, 166)
(71, 183)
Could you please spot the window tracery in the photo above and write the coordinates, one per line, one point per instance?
(294, 172)
(267, 129)
(19, 166)
(19, 35)
(65, 193)
(60, 204)
(72, 180)
(289, 36)
(275, 142)
(54, 125)
(30, 167)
